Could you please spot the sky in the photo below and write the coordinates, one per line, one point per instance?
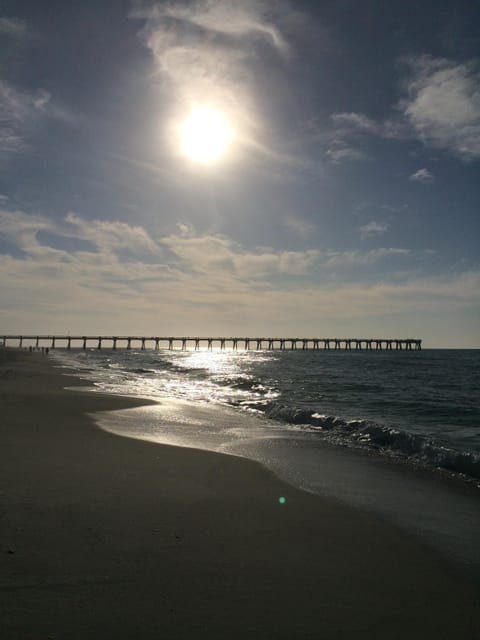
(343, 202)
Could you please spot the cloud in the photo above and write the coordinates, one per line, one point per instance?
(422, 175)
(359, 258)
(116, 242)
(373, 228)
(342, 152)
(21, 229)
(110, 239)
(208, 253)
(186, 282)
(225, 17)
(348, 124)
(13, 113)
(343, 141)
(129, 273)
(397, 208)
(210, 256)
(355, 121)
(299, 226)
(202, 47)
(111, 236)
(443, 105)
(19, 112)
(442, 109)
(12, 27)
(243, 20)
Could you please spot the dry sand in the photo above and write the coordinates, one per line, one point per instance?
(105, 537)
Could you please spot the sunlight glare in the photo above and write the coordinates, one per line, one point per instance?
(205, 135)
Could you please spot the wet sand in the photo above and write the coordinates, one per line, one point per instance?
(106, 537)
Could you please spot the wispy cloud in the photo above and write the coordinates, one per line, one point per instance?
(203, 47)
(343, 137)
(299, 226)
(19, 112)
(355, 121)
(340, 152)
(12, 27)
(394, 209)
(422, 175)
(443, 105)
(13, 113)
(245, 20)
(350, 123)
(359, 258)
(373, 228)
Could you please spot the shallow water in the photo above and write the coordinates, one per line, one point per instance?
(422, 407)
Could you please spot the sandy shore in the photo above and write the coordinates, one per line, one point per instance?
(105, 537)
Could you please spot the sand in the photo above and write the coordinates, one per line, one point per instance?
(107, 537)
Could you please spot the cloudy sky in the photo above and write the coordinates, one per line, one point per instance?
(344, 200)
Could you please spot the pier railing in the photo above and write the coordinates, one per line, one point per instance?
(196, 343)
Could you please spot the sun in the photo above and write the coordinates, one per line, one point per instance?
(205, 135)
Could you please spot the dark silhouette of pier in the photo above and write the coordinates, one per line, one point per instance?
(194, 342)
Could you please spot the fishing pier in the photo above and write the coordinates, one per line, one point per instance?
(196, 343)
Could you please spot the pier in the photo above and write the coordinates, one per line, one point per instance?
(196, 343)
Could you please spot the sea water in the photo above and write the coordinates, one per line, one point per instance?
(393, 432)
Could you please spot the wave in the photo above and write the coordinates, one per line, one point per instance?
(141, 370)
(244, 383)
(372, 436)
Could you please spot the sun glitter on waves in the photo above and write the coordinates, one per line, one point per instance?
(205, 135)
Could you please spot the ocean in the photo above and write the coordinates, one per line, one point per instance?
(394, 432)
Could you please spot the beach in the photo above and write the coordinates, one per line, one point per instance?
(108, 537)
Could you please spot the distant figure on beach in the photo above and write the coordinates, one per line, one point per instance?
(46, 350)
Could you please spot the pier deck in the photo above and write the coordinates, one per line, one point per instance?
(195, 342)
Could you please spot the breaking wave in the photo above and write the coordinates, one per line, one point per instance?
(380, 438)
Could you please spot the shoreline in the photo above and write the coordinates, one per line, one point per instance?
(110, 537)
